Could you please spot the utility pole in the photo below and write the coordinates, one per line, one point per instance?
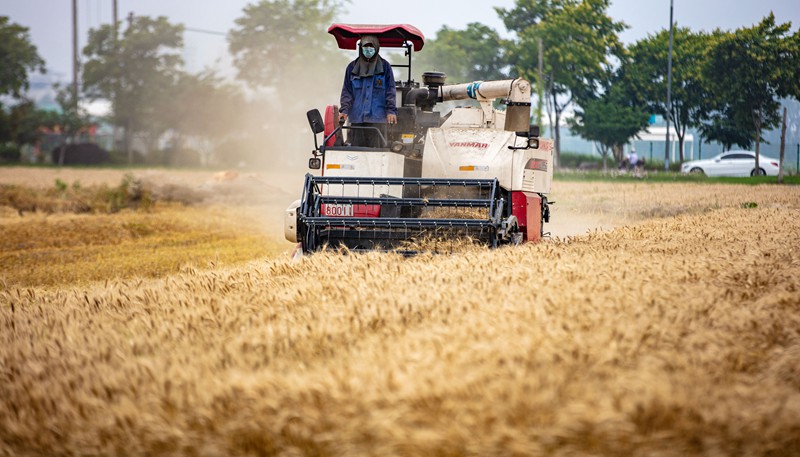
(128, 124)
(115, 28)
(783, 147)
(669, 88)
(75, 62)
(116, 21)
(540, 85)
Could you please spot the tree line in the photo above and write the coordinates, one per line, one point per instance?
(725, 84)
(279, 50)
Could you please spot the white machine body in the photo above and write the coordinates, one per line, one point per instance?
(472, 143)
(483, 153)
(370, 163)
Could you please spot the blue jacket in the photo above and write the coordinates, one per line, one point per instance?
(368, 99)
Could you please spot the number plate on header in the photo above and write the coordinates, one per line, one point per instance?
(337, 210)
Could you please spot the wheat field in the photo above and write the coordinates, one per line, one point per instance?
(677, 332)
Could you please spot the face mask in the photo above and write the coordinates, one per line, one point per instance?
(368, 51)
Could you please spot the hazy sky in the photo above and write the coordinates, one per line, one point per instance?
(50, 26)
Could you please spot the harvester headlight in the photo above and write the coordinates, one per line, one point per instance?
(315, 163)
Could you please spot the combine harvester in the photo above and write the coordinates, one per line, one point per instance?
(475, 172)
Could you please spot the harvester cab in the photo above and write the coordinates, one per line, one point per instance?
(475, 172)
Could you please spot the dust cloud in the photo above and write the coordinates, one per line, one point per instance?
(568, 222)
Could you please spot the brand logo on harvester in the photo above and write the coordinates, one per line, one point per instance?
(352, 157)
(536, 164)
(469, 144)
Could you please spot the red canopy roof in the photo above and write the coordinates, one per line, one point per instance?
(390, 36)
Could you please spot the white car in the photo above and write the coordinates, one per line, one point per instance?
(732, 163)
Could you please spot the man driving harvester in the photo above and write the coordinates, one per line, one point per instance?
(368, 95)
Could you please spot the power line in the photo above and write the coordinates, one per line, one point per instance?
(208, 32)
(188, 29)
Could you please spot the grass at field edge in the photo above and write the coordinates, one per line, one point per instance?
(650, 176)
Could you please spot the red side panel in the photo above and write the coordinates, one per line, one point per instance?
(519, 208)
(330, 123)
(366, 210)
(534, 210)
(527, 207)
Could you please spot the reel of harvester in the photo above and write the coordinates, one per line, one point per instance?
(367, 214)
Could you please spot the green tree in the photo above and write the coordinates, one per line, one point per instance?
(750, 69)
(281, 43)
(690, 101)
(721, 126)
(473, 54)
(720, 123)
(136, 72)
(70, 120)
(22, 124)
(282, 51)
(207, 108)
(5, 127)
(26, 121)
(611, 119)
(8, 152)
(580, 44)
(18, 56)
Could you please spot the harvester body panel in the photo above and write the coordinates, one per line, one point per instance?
(484, 153)
(384, 164)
